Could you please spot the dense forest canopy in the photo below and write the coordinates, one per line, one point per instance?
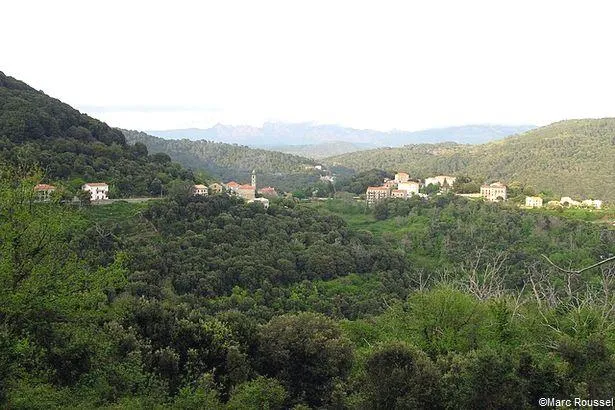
(234, 162)
(568, 158)
(39, 131)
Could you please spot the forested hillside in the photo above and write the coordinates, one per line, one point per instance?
(573, 158)
(37, 131)
(209, 303)
(233, 162)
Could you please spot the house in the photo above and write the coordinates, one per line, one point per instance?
(98, 190)
(231, 186)
(399, 193)
(268, 191)
(245, 191)
(263, 201)
(216, 188)
(200, 190)
(401, 177)
(567, 201)
(596, 203)
(412, 187)
(43, 192)
(533, 202)
(494, 192)
(376, 193)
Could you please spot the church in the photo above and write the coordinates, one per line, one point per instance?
(247, 192)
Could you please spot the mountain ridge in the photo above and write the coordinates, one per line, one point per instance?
(569, 157)
(283, 134)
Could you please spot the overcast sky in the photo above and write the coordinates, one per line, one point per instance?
(378, 64)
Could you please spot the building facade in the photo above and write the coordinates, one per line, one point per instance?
(533, 202)
(99, 191)
(376, 193)
(44, 192)
(401, 177)
(411, 187)
(494, 192)
(200, 190)
(399, 193)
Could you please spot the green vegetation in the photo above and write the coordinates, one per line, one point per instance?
(72, 148)
(234, 162)
(568, 158)
(196, 302)
(208, 302)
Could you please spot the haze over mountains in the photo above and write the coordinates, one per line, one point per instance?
(317, 141)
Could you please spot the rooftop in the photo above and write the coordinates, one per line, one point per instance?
(44, 187)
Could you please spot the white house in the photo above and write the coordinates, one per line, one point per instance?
(263, 201)
(533, 202)
(567, 201)
(200, 190)
(98, 190)
(596, 203)
(494, 192)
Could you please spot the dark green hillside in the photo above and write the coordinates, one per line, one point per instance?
(39, 131)
(232, 161)
(574, 158)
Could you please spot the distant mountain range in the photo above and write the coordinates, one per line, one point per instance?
(313, 140)
(573, 157)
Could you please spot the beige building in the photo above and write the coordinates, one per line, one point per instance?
(402, 177)
(247, 192)
(533, 202)
(399, 193)
(44, 192)
(411, 187)
(494, 192)
(200, 190)
(98, 190)
(376, 193)
(216, 188)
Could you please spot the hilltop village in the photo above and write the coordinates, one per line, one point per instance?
(403, 187)
(98, 192)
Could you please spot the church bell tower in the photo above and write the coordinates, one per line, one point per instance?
(254, 178)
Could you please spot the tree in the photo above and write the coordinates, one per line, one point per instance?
(259, 394)
(306, 352)
(399, 376)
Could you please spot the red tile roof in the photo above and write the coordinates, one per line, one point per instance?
(44, 187)
(96, 184)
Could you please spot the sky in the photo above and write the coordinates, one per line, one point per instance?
(383, 65)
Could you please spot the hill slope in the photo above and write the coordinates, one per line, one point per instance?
(573, 157)
(230, 161)
(323, 149)
(278, 134)
(39, 131)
